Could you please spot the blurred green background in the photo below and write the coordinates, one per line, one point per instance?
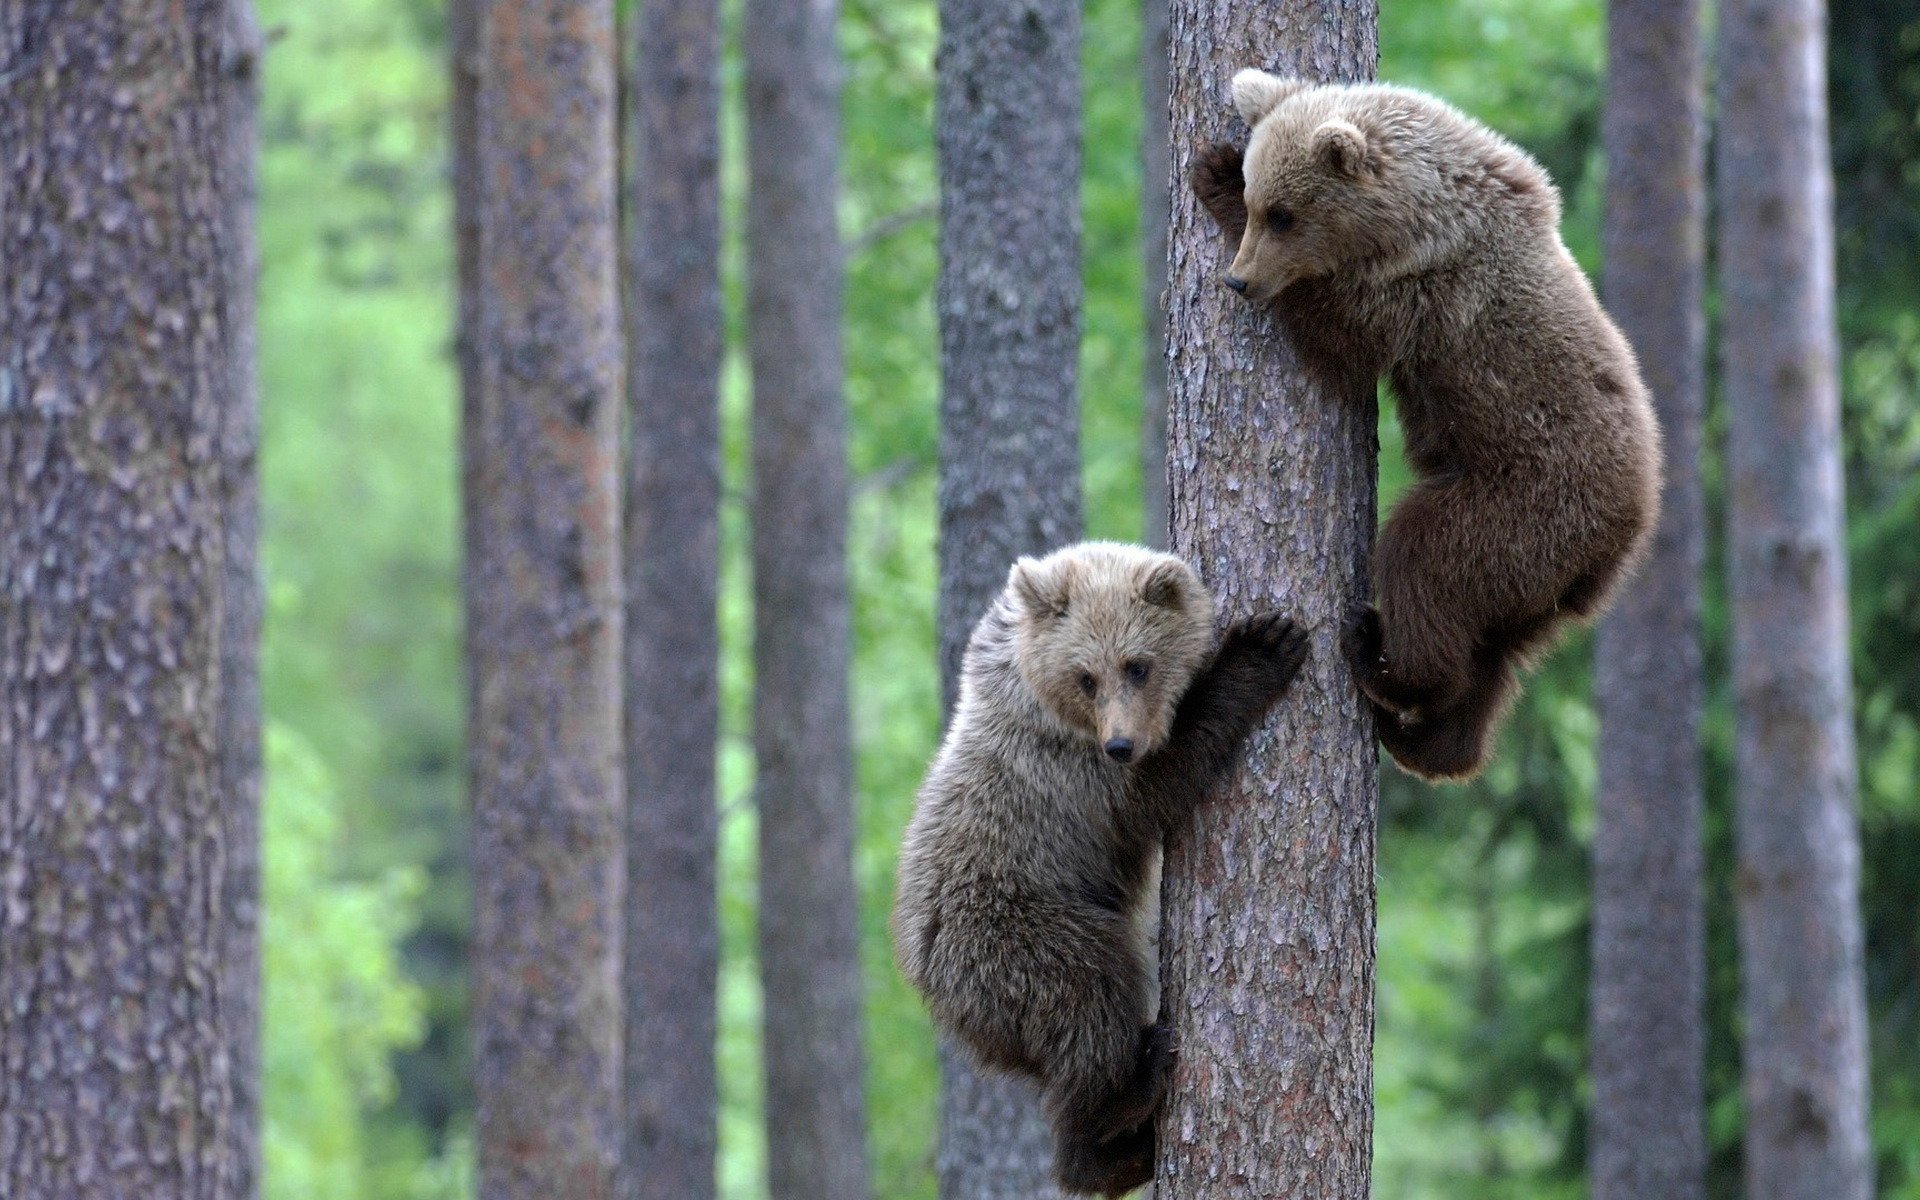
(1483, 909)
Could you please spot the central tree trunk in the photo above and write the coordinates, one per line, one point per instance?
(1267, 933)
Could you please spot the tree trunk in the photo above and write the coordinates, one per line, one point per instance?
(809, 904)
(115, 375)
(1649, 922)
(543, 598)
(1267, 934)
(675, 332)
(1008, 130)
(1155, 208)
(1798, 844)
(241, 597)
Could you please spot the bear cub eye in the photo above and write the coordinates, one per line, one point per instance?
(1279, 220)
(1138, 671)
(1086, 683)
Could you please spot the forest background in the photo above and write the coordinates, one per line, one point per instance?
(1481, 1077)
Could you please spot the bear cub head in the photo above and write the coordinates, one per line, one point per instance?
(1362, 180)
(1108, 639)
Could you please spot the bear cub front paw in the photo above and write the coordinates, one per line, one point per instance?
(1268, 647)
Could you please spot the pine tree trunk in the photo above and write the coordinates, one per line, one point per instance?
(240, 746)
(675, 330)
(1804, 1056)
(1267, 933)
(1155, 208)
(1008, 128)
(543, 593)
(809, 905)
(115, 376)
(1649, 923)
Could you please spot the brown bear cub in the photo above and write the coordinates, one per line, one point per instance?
(1394, 235)
(1094, 714)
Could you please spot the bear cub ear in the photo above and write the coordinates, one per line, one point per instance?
(1043, 590)
(1165, 586)
(1256, 93)
(1343, 148)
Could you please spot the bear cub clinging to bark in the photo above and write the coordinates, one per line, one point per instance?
(1094, 713)
(1393, 234)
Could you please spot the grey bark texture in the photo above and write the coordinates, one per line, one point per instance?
(542, 344)
(1804, 1057)
(809, 902)
(1648, 993)
(115, 374)
(674, 347)
(1007, 125)
(242, 599)
(1267, 927)
(1155, 209)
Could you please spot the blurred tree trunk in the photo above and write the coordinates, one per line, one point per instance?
(241, 593)
(1155, 207)
(675, 335)
(115, 380)
(543, 591)
(809, 903)
(1008, 131)
(1267, 936)
(1648, 991)
(1804, 1056)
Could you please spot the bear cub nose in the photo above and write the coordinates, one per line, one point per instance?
(1120, 749)
(1238, 285)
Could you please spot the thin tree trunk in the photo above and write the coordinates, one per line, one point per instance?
(240, 746)
(115, 373)
(1155, 208)
(1804, 1056)
(809, 904)
(675, 333)
(1648, 1036)
(543, 592)
(1267, 933)
(1008, 130)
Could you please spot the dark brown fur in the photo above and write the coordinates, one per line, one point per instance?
(1417, 244)
(1029, 861)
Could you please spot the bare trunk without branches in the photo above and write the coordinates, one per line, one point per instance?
(1648, 992)
(1008, 130)
(809, 904)
(1802, 993)
(675, 333)
(541, 347)
(1155, 209)
(115, 377)
(1267, 933)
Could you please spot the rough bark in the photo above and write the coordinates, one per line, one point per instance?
(809, 918)
(240, 746)
(1155, 208)
(543, 593)
(1648, 1038)
(1267, 934)
(1007, 125)
(674, 340)
(1798, 844)
(114, 375)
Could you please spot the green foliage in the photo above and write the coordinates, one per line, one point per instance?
(1481, 1039)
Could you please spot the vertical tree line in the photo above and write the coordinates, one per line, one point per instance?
(118, 389)
(802, 738)
(1802, 992)
(1007, 130)
(1269, 897)
(542, 353)
(675, 335)
(1648, 992)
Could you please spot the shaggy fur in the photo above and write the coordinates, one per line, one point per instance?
(1393, 234)
(1029, 862)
